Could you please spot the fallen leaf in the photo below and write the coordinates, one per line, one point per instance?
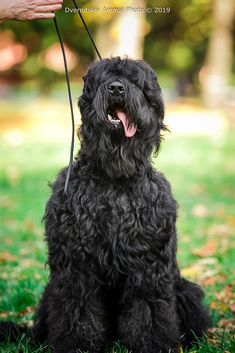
(225, 298)
(29, 225)
(30, 263)
(226, 294)
(25, 251)
(200, 211)
(209, 281)
(214, 335)
(5, 314)
(220, 211)
(196, 189)
(209, 249)
(212, 331)
(27, 310)
(232, 307)
(219, 306)
(200, 270)
(6, 256)
(4, 275)
(220, 230)
(231, 220)
(6, 202)
(229, 324)
(192, 271)
(208, 261)
(12, 224)
(37, 276)
(13, 175)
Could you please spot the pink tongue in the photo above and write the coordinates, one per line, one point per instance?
(129, 130)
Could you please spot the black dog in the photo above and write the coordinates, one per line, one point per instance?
(112, 239)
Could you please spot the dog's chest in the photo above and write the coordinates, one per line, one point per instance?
(117, 225)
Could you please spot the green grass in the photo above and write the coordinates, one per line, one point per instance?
(202, 173)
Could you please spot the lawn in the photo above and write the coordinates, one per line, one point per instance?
(202, 173)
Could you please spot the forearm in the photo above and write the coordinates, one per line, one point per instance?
(6, 10)
(28, 9)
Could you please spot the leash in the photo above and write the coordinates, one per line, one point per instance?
(69, 86)
(87, 29)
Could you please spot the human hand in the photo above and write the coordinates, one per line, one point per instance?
(24, 10)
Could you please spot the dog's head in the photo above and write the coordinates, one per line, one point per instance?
(122, 115)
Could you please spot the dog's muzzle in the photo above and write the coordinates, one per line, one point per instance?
(116, 88)
(116, 112)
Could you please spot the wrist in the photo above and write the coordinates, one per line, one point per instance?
(6, 11)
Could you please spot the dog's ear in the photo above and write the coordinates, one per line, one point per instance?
(152, 91)
(151, 88)
(87, 92)
(153, 94)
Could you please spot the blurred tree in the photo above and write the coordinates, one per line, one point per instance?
(215, 74)
(123, 34)
(38, 37)
(177, 40)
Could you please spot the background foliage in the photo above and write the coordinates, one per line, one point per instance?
(175, 43)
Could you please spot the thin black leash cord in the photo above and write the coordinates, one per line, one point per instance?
(87, 29)
(71, 106)
(69, 89)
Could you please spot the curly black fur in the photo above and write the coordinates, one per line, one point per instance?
(112, 239)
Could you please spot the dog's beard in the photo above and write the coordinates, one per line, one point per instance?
(119, 148)
(118, 112)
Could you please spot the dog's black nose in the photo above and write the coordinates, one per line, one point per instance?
(116, 87)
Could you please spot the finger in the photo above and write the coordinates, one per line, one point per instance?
(47, 2)
(48, 8)
(42, 16)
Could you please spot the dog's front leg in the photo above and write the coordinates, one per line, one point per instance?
(76, 315)
(148, 322)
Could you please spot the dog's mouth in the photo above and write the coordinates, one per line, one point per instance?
(117, 117)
